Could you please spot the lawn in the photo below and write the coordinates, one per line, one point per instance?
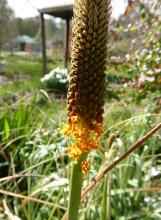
(24, 72)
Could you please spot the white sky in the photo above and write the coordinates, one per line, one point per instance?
(28, 8)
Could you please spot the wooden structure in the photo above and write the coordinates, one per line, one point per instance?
(63, 12)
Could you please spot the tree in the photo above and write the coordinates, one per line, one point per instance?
(27, 26)
(6, 16)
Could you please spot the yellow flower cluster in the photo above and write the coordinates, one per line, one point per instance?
(84, 138)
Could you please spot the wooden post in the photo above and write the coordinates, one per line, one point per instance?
(43, 42)
(67, 42)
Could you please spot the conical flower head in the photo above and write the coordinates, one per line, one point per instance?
(89, 52)
(88, 59)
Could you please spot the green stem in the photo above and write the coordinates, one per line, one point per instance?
(108, 198)
(75, 191)
(106, 203)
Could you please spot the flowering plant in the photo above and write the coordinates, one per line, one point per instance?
(56, 79)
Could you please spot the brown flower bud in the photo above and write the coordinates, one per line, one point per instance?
(88, 56)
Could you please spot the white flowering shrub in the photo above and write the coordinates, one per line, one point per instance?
(56, 79)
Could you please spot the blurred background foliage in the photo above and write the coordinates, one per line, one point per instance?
(32, 112)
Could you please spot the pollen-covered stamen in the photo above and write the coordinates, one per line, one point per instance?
(85, 165)
(84, 139)
(74, 152)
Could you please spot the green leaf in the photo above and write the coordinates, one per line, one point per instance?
(6, 129)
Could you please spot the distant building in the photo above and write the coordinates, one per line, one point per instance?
(23, 43)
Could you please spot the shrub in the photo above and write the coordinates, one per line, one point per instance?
(57, 79)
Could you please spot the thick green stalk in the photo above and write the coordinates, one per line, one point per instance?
(75, 191)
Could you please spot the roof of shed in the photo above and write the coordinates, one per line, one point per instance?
(62, 10)
(23, 39)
